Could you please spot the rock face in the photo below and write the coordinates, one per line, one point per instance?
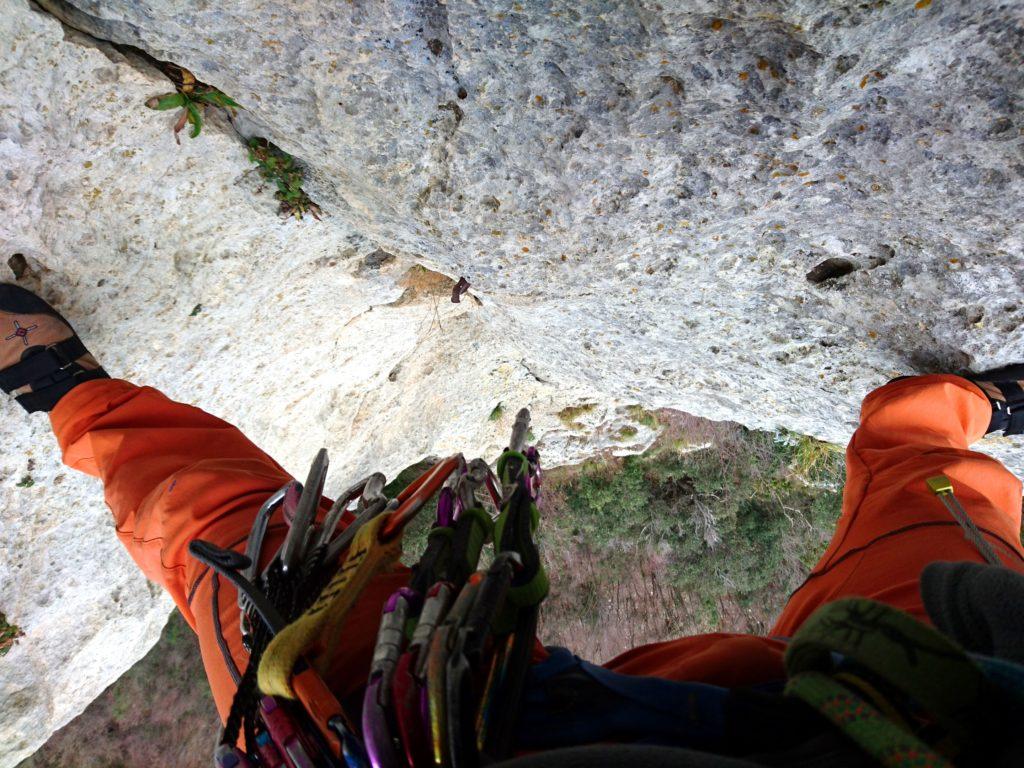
(637, 194)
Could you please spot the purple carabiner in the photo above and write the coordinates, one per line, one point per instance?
(446, 504)
(377, 718)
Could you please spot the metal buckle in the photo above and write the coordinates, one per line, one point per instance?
(62, 357)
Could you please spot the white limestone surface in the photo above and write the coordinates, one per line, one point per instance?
(636, 192)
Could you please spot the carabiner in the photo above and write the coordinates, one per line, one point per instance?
(293, 549)
(253, 549)
(466, 660)
(408, 694)
(520, 429)
(469, 481)
(495, 681)
(344, 539)
(284, 733)
(437, 663)
(254, 544)
(377, 721)
(412, 499)
(368, 489)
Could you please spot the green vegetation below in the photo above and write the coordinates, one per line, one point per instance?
(710, 529)
(725, 515)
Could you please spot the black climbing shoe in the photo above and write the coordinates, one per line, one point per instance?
(1003, 387)
(41, 358)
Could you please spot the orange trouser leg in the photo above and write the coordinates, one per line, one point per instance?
(892, 525)
(173, 473)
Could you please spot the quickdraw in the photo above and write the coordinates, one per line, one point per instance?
(453, 645)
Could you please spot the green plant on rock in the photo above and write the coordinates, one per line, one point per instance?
(642, 416)
(9, 633)
(280, 169)
(192, 98)
(814, 460)
(570, 415)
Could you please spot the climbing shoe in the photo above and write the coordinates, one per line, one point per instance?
(1003, 387)
(41, 357)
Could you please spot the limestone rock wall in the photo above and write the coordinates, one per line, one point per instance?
(636, 192)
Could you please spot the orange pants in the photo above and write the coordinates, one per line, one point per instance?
(173, 473)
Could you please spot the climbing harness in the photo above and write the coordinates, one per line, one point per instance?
(451, 683)
(453, 645)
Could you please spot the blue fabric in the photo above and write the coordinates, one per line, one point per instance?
(1007, 675)
(570, 701)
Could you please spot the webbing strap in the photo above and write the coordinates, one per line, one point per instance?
(515, 529)
(472, 531)
(533, 589)
(323, 622)
(46, 398)
(914, 659)
(40, 367)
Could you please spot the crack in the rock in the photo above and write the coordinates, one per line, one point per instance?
(441, 155)
(86, 25)
(533, 375)
(72, 18)
(77, 29)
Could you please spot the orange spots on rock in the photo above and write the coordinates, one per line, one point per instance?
(922, 4)
(525, 249)
(716, 24)
(873, 74)
(744, 75)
